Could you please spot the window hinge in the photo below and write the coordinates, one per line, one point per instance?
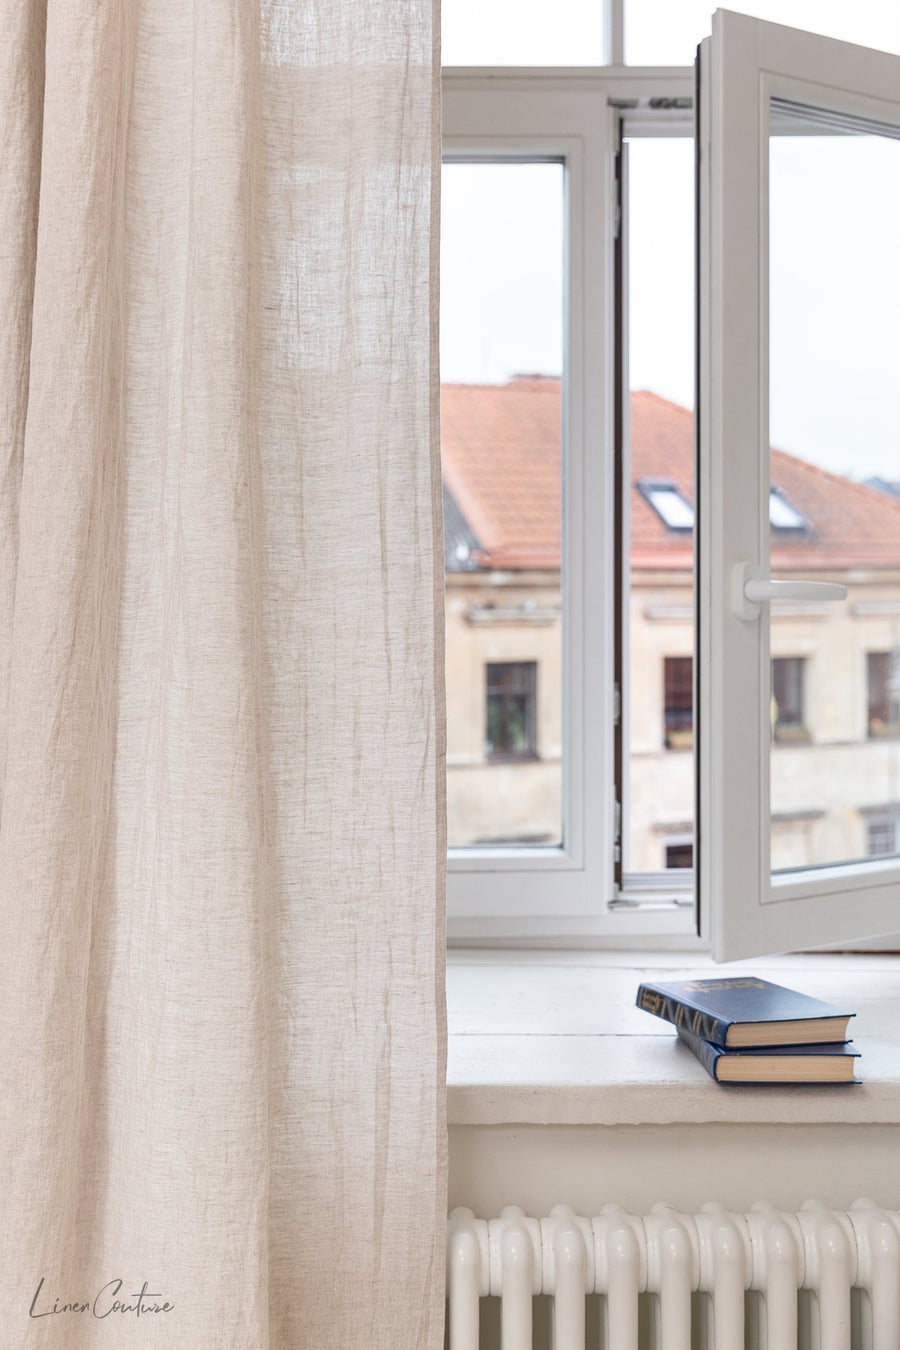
(617, 706)
(617, 831)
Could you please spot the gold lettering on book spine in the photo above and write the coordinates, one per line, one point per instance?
(680, 1015)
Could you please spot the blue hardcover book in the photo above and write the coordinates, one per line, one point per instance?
(742, 1010)
(813, 1064)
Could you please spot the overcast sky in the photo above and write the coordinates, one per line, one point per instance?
(835, 269)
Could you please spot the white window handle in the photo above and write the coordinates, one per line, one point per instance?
(750, 590)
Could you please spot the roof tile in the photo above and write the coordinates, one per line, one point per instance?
(501, 464)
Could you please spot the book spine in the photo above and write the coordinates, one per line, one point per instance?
(708, 1055)
(681, 1014)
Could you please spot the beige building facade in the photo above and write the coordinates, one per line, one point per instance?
(835, 781)
(509, 619)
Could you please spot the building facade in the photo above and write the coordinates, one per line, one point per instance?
(835, 669)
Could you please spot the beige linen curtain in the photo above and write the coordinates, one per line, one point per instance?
(221, 839)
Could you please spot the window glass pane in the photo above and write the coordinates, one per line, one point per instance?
(788, 676)
(666, 32)
(511, 710)
(834, 300)
(501, 366)
(680, 854)
(673, 509)
(521, 33)
(783, 516)
(883, 834)
(658, 807)
(678, 719)
(883, 693)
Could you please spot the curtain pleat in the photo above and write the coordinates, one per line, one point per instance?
(222, 829)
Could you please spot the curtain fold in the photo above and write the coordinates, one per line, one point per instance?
(221, 653)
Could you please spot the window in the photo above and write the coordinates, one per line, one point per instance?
(785, 852)
(503, 455)
(572, 514)
(884, 833)
(666, 32)
(517, 33)
(883, 680)
(657, 786)
(673, 509)
(788, 673)
(679, 854)
(783, 516)
(511, 712)
(677, 513)
(678, 676)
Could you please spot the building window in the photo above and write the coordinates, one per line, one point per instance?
(669, 503)
(679, 854)
(883, 834)
(784, 517)
(677, 513)
(678, 708)
(883, 672)
(511, 710)
(787, 698)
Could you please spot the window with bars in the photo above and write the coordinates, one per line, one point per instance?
(883, 833)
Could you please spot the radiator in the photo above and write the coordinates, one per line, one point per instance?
(675, 1281)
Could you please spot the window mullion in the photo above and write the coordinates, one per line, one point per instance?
(614, 32)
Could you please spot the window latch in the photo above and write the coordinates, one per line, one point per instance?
(750, 590)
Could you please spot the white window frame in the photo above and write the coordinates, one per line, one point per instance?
(746, 910)
(541, 894)
(559, 896)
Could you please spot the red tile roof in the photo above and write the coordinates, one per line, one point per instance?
(501, 464)
(500, 448)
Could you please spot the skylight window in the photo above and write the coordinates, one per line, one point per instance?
(677, 513)
(672, 507)
(783, 516)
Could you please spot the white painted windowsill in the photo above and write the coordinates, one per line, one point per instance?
(554, 1038)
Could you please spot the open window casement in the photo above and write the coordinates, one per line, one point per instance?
(799, 330)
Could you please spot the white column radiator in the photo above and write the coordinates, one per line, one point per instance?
(766, 1254)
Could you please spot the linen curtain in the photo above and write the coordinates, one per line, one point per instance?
(221, 745)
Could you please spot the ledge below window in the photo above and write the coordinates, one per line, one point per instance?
(554, 1038)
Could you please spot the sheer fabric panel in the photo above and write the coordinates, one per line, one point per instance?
(222, 840)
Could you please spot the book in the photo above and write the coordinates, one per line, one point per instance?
(820, 1064)
(742, 1010)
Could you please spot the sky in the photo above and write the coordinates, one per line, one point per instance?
(834, 264)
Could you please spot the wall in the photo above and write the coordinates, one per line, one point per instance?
(636, 1166)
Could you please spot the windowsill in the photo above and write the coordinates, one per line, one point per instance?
(512, 757)
(679, 740)
(554, 1038)
(785, 737)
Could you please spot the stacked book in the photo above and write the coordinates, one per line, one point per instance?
(746, 1030)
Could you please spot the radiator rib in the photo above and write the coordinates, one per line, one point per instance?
(672, 1256)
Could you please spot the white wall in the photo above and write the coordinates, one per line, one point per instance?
(636, 1166)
